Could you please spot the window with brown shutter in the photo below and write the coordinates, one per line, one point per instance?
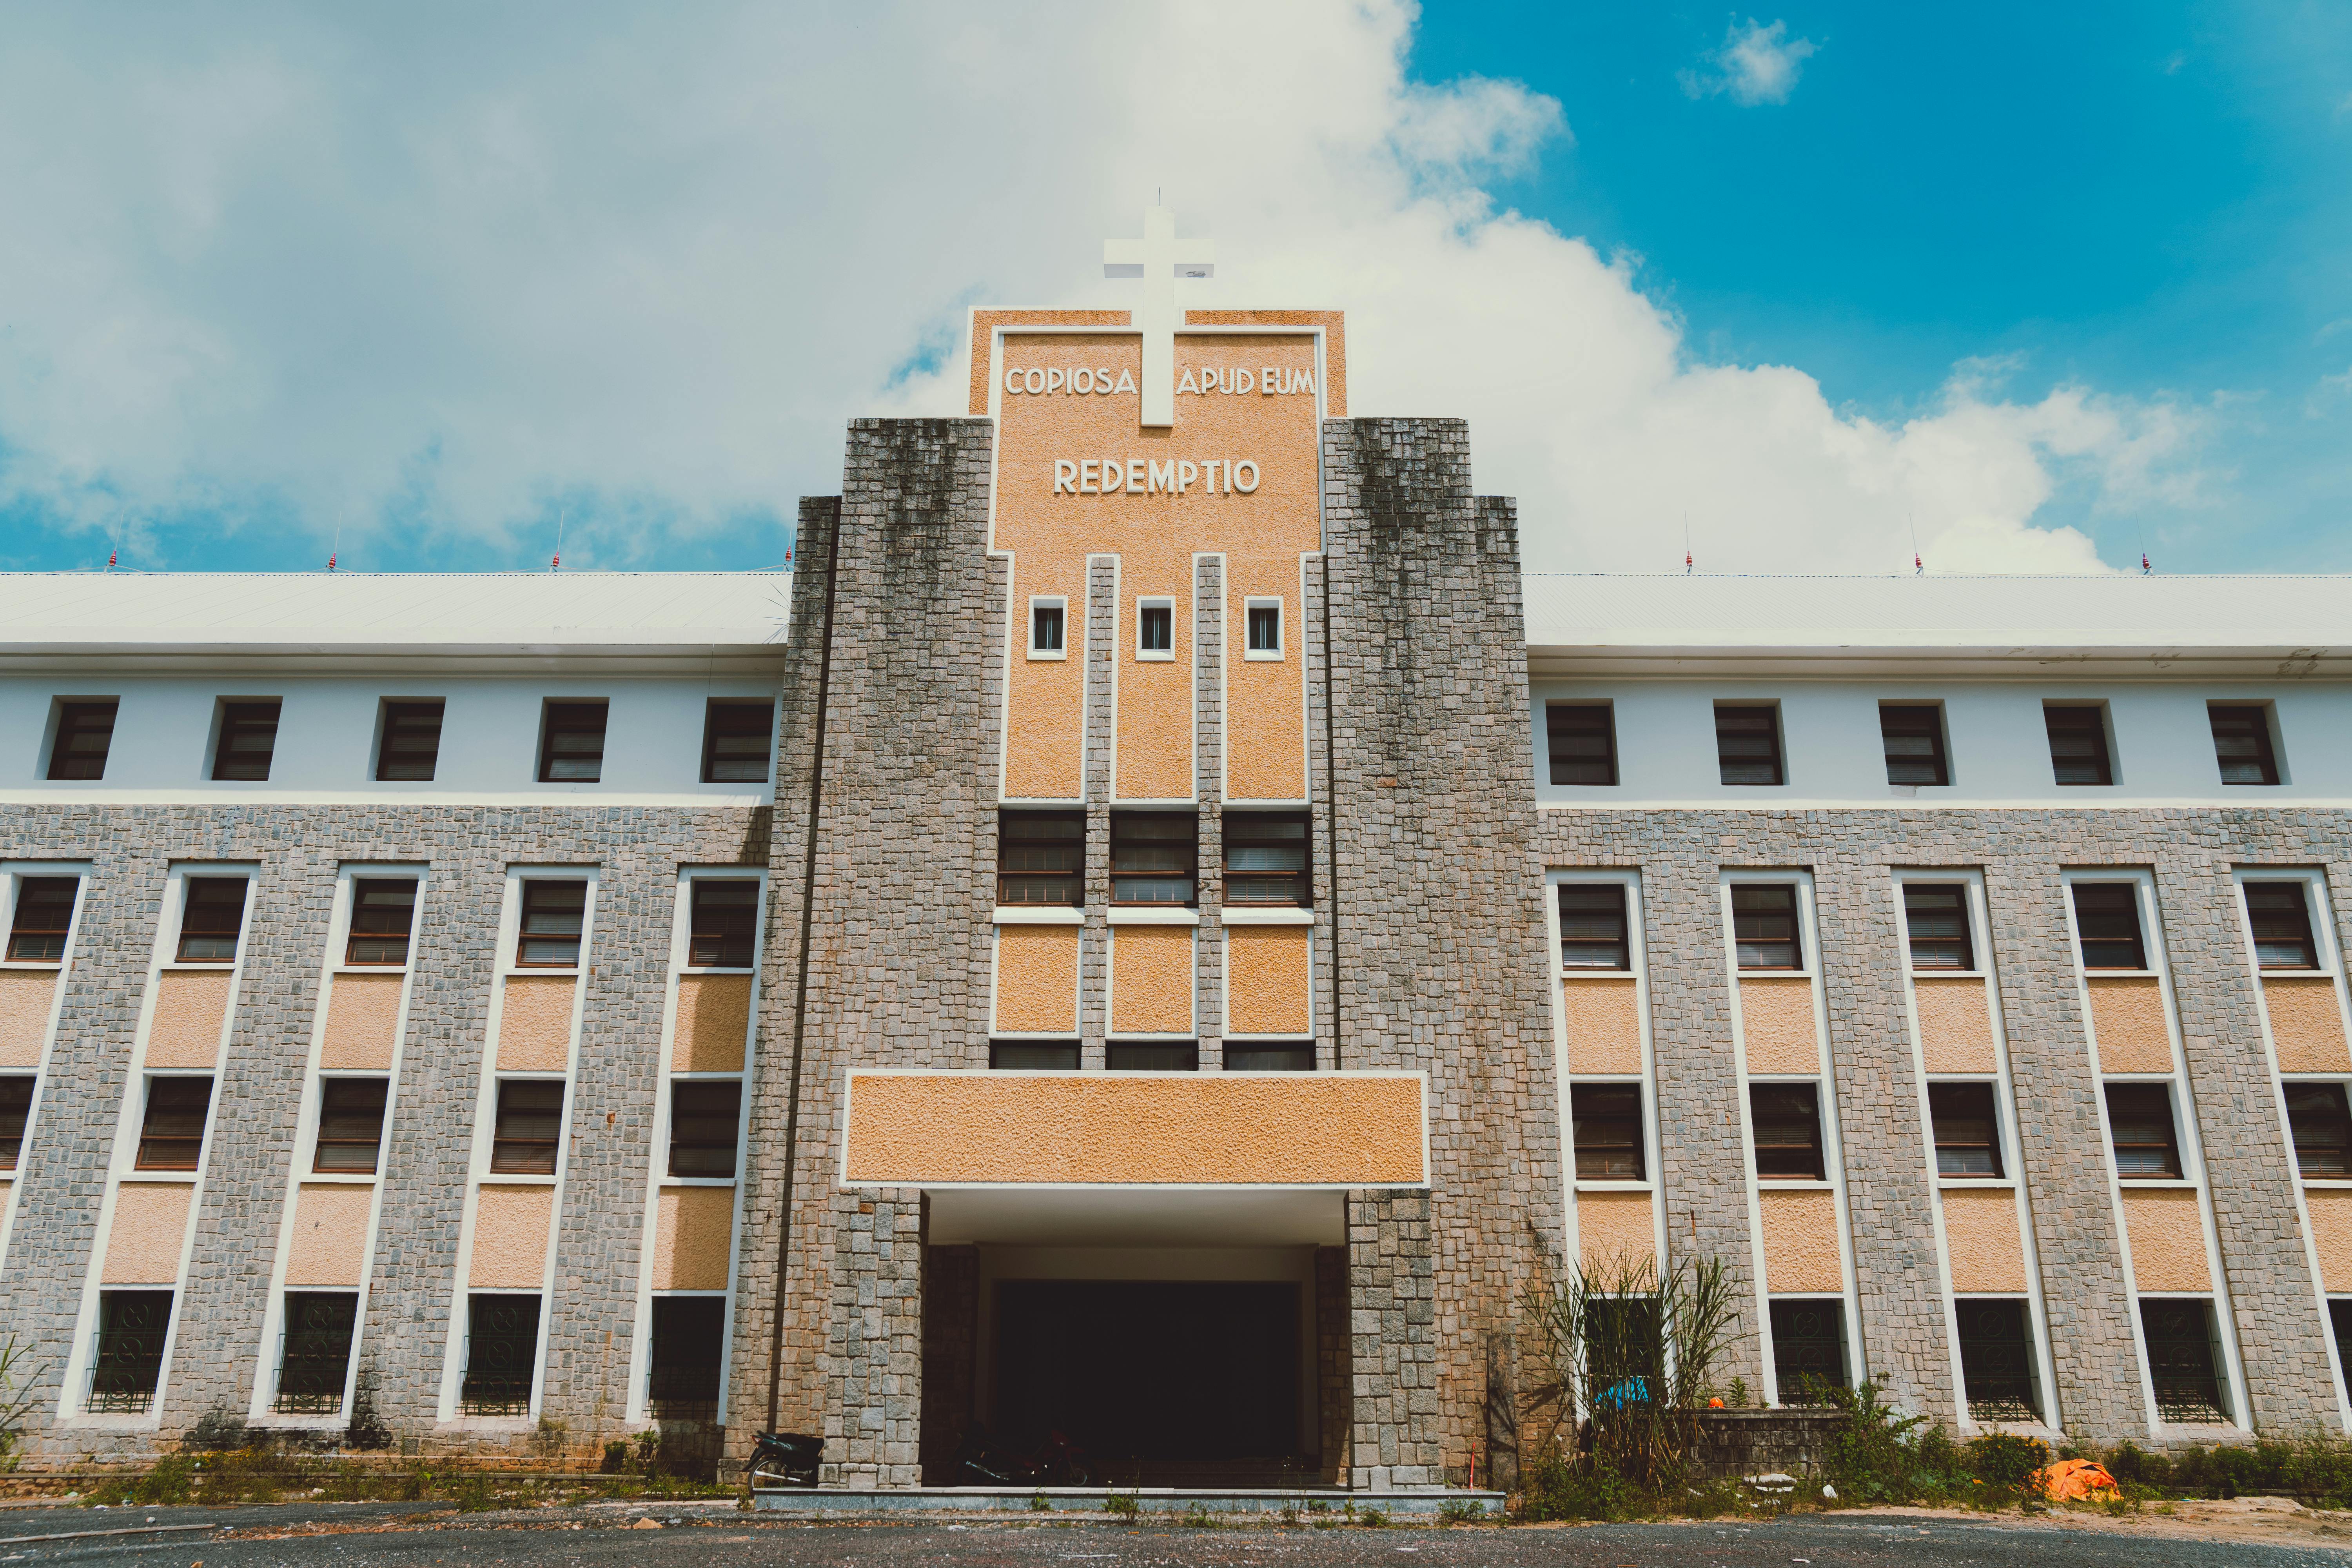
(1592, 926)
(409, 750)
(530, 1126)
(2140, 1119)
(1265, 859)
(172, 1132)
(2242, 744)
(16, 1109)
(704, 1118)
(1582, 740)
(2281, 917)
(1154, 856)
(1764, 926)
(85, 734)
(1967, 1129)
(42, 920)
(2322, 1124)
(2078, 743)
(1747, 744)
(1936, 918)
(723, 923)
(571, 743)
(553, 916)
(1605, 1126)
(2106, 918)
(1912, 733)
(211, 915)
(351, 1124)
(1786, 1119)
(1041, 858)
(384, 909)
(735, 741)
(248, 737)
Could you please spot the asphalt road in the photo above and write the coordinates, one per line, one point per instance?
(399, 1535)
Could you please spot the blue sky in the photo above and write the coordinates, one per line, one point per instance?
(2040, 286)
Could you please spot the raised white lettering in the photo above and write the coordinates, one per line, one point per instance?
(1163, 477)
(1306, 382)
(1052, 381)
(1087, 477)
(1250, 488)
(1082, 379)
(1126, 382)
(1065, 476)
(1241, 381)
(1186, 472)
(1267, 382)
(1208, 475)
(1036, 380)
(1012, 380)
(1102, 378)
(1188, 383)
(1136, 484)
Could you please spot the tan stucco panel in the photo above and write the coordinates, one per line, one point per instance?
(1982, 1239)
(2331, 1234)
(510, 1228)
(535, 1024)
(1037, 979)
(1155, 695)
(2168, 1241)
(1265, 714)
(1152, 980)
(1955, 1025)
(363, 1023)
(1324, 1129)
(1777, 1025)
(26, 996)
(1801, 1241)
(1605, 1025)
(2307, 1022)
(191, 1006)
(1267, 984)
(714, 1015)
(691, 1235)
(330, 1228)
(150, 1229)
(2127, 1021)
(1614, 1232)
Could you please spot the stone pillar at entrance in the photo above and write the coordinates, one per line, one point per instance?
(874, 1340)
(1391, 1279)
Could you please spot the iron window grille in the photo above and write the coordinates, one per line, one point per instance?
(1808, 1349)
(553, 916)
(1152, 1056)
(211, 913)
(704, 1120)
(16, 1109)
(2281, 917)
(2322, 1125)
(314, 1353)
(171, 1131)
(1266, 858)
(735, 741)
(1787, 1118)
(1914, 737)
(1154, 856)
(2078, 743)
(1033, 1056)
(350, 1125)
(682, 1370)
(248, 737)
(1967, 1128)
(2106, 918)
(409, 751)
(127, 1358)
(1155, 629)
(1997, 1360)
(1605, 1125)
(528, 1130)
(2242, 744)
(1041, 858)
(1936, 918)
(84, 735)
(1594, 930)
(1266, 629)
(501, 1354)
(1747, 744)
(1581, 739)
(723, 923)
(1264, 1055)
(42, 920)
(2139, 1120)
(1764, 926)
(2181, 1361)
(384, 912)
(571, 743)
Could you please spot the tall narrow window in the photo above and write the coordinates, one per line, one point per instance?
(2181, 1361)
(315, 1358)
(1046, 639)
(2078, 743)
(1968, 1129)
(501, 1354)
(351, 1124)
(16, 1109)
(704, 1118)
(2281, 917)
(2106, 916)
(132, 1327)
(2322, 1124)
(1593, 931)
(210, 918)
(1265, 859)
(1936, 915)
(1155, 629)
(2242, 744)
(723, 923)
(1605, 1125)
(384, 910)
(1996, 1359)
(1914, 736)
(554, 915)
(1041, 858)
(2139, 1119)
(1788, 1122)
(735, 741)
(248, 737)
(571, 743)
(1764, 926)
(172, 1133)
(1153, 857)
(1582, 738)
(682, 1376)
(42, 920)
(1808, 1348)
(85, 733)
(1265, 628)
(410, 747)
(530, 1126)
(1747, 743)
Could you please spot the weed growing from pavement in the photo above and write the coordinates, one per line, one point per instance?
(1123, 1504)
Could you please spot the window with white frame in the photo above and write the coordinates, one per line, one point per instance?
(1048, 636)
(1265, 628)
(1155, 629)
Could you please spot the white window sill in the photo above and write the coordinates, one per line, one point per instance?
(1150, 915)
(1776, 974)
(2158, 1183)
(1793, 1184)
(1262, 659)
(1143, 658)
(137, 1178)
(2329, 1184)
(1252, 916)
(31, 966)
(697, 1181)
(509, 1179)
(1042, 915)
(183, 965)
(1037, 655)
(534, 972)
(399, 970)
(706, 968)
(1603, 1184)
(1974, 1183)
(2120, 975)
(1596, 974)
(336, 1179)
(1947, 975)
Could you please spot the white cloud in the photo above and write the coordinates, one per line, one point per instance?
(1756, 64)
(386, 272)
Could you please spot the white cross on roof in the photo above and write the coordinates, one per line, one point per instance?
(1158, 258)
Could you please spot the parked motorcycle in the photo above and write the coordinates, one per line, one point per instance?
(982, 1460)
(786, 1458)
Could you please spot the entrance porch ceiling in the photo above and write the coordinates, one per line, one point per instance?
(1140, 1217)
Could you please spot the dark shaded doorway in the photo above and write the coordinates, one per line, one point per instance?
(1155, 1370)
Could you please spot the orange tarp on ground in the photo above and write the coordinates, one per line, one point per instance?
(2070, 1479)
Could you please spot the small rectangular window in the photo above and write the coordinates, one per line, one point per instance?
(132, 1328)
(2106, 918)
(571, 743)
(315, 1357)
(723, 921)
(1996, 1359)
(1152, 1056)
(2078, 743)
(1788, 1121)
(1967, 1128)
(682, 1370)
(1747, 743)
(1154, 856)
(1592, 926)
(735, 736)
(2140, 1119)
(248, 737)
(1033, 1056)
(2322, 1124)
(1936, 915)
(501, 1354)
(351, 1124)
(553, 916)
(172, 1133)
(530, 1126)
(384, 910)
(16, 1109)
(1041, 858)
(42, 920)
(1155, 629)
(1605, 1126)
(85, 733)
(704, 1121)
(409, 750)
(1914, 736)
(211, 916)
(1808, 1349)
(1582, 738)
(2281, 917)
(2180, 1361)
(1265, 859)
(2242, 744)
(1258, 1056)
(1264, 629)
(1764, 926)
(1045, 639)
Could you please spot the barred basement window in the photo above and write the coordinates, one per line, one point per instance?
(85, 734)
(682, 1370)
(1605, 1126)
(1265, 859)
(530, 1126)
(1787, 1118)
(2181, 1361)
(2078, 743)
(384, 910)
(172, 1133)
(1936, 917)
(1033, 1056)
(1264, 1055)
(2139, 1120)
(571, 743)
(2281, 917)
(723, 923)
(1997, 1360)
(553, 916)
(1152, 1056)
(2322, 1125)
(1747, 743)
(1764, 926)
(314, 1352)
(1914, 738)
(1582, 738)
(211, 913)
(351, 1124)
(43, 919)
(2242, 744)
(409, 750)
(1594, 932)
(1967, 1127)
(2106, 918)
(16, 1109)
(1154, 856)
(735, 737)
(704, 1121)
(1041, 858)
(248, 736)
(501, 1353)
(1808, 1349)
(133, 1326)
